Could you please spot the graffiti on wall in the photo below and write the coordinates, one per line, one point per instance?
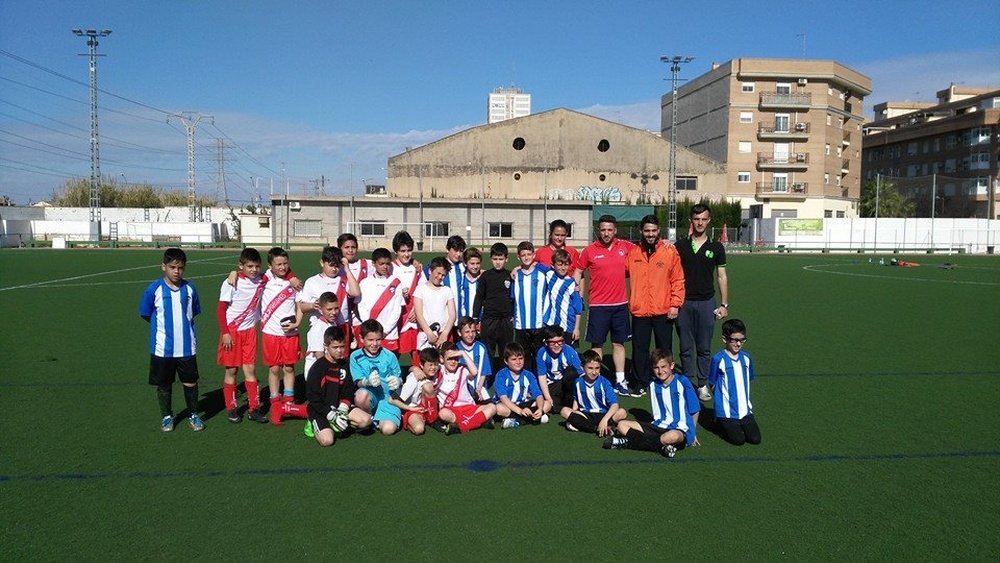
(588, 193)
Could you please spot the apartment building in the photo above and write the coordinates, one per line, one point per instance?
(789, 131)
(507, 103)
(945, 153)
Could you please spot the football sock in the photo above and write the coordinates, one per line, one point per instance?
(620, 377)
(163, 397)
(253, 394)
(229, 395)
(191, 398)
(293, 410)
(473, 422)
(581, 423)
(288, 395)
(274, 414)
(639, 440)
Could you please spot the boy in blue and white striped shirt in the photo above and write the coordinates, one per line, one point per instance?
(558, 367)
(480, 355)
(731, 372)
(169, 305)
(531, 300)
(595, 406)
(468, 284)
(675, 409)
(565, 304)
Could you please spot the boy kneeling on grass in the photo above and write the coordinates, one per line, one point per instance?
(329, 391)
(731, 372)
(376, 373)
(675, 413)
(595, 406)
(455, 387)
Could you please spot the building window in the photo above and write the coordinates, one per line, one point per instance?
(603, 145)
(980, 161)
(783, 88)
(838, 181)
(828, 213)
(437, 229)
(826, 179)
(840, 151)
(840, 215)
(780, 182)
(746, 117)
(373, 229)
(829, 119)
(306, 228)
(743, 177)
(781, 122)
(979, 135)
(501, 230)
(745, 146)
(687, 182)
(982, 185)
(911, 148)
(747, 87)
(937, 144)
(950, 141)
(827, 149)
(518, 143)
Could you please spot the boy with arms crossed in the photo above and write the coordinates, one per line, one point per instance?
(595, 409)
(468, 284)
(531, 300)
(238, 313)
(675, 413)
(169, 305)
(329, 391)
(476, 350)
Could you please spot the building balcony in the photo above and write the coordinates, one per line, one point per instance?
(790, 131)
(847, 139)
(783, 190)
(782, 161)
(778, 100)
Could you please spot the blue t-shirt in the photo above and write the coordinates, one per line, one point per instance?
(518, 389)
(170, 313)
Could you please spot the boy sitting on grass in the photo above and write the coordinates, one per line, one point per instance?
(675, 413)
(558, 367)
(459, 410)
(516, 391)
(329, 391)
(418, 397)
(731, 372)
(376, 373)
(595, 408)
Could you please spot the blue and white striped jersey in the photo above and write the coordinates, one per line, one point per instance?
(479, 354)
(674, 405)
(553, 365)
(564, 302)
(731, 378)
(531, 298)
(170, 313)
(596, 397)
(520, 389)
(466, 296)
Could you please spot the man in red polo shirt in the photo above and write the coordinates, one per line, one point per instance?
(607, 301)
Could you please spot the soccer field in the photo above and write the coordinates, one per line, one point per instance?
(876, 395)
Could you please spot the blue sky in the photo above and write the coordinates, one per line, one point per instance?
(332, 89)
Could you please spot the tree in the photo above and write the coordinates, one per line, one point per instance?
(886, 198)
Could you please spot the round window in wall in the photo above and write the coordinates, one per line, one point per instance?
(602, 177)
(518, 143)
(603, 145)
(517, 175)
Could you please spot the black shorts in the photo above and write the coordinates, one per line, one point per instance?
(318, 422)
(608, 318)
(162, 371)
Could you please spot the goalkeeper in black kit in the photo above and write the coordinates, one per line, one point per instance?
(329, 392)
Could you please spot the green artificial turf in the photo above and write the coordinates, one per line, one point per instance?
(877, 394)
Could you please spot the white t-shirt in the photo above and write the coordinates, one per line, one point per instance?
(281, 290)
(318, 285)
(406, 274)
(435, 307)
(239, 299)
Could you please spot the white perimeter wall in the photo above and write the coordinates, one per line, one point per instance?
(969, 235)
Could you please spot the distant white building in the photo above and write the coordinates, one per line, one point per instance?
(507, 103)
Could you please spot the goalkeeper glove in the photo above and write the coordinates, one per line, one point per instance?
(393, 382)
(374, 380)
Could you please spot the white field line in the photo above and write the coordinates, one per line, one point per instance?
(60, 282)
(815, 268)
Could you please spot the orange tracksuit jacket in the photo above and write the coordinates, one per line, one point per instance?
(657, 280)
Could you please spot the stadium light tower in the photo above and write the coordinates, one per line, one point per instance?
(675, 69)
(95, 151)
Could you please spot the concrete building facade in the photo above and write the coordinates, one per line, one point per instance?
(507, 103)
(788, 130)
(951, 147)
(554, 155)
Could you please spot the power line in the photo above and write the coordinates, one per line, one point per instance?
(56, 94)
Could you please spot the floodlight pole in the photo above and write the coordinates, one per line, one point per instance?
(95, 151)
(675, 69)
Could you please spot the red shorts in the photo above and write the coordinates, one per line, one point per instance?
(408, 341)
(464, 412)
(243, 351)
(281, 350)
(407, 415)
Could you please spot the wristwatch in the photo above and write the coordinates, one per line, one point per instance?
(726, 305)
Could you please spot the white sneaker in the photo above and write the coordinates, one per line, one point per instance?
(571, 428)
(704, 394)
(510, 423)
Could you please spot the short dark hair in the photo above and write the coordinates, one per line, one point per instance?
(327, 297)
(499, 249)
(275, 252)
(525, 245)
(401, 239)
(174, 255)
(249, 254)
(464, 322)
(331, 255)
(471, 252)
(381, 254)
(589, 356)
(551, 331)
(607, 219)
(455, 242)
(430, 356)
(441, 262)
(560, 255)
(649, 220)
(333, 334)
(512, 349)
(447, 346)
(346, 237)
(370, 326)
(732, 326)
(660, 354)
(699, 208)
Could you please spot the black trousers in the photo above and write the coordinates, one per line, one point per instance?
(739, 432)
(643, 328)
(496, 333)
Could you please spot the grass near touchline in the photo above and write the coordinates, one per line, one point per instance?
(876, 395)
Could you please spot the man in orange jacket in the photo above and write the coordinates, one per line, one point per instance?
(657, 293)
